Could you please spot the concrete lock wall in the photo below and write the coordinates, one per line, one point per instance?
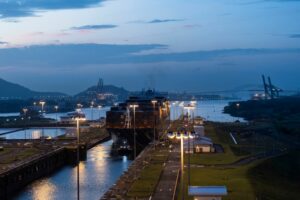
(15, 179)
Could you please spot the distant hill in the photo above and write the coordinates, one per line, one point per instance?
(10, 90)
(118, 91)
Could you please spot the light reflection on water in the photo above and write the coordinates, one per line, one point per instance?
(97, 174)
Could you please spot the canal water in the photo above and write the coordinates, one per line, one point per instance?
(211, 110)
(97, 174)
(90, 113)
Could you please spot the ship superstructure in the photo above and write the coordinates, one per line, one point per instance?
(151, 112)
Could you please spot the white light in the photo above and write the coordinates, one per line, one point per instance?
(134, 106)
(178, 135)
(171, 135)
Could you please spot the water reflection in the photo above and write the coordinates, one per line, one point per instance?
(97, 174)
(44, 191)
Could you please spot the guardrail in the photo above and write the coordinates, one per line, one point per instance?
(176, 185)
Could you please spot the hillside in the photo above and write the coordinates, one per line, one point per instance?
(10, 90)
(118, 91)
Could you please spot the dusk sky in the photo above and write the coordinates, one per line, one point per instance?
(175, 45)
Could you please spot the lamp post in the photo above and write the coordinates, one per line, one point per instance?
(25, 112)
(181, 136)
(189, 108)
(79, 106)
(154, 122)
(92, 106)
(194, 105)
(134, 106)
(238, 106)
(43, 104)
(99, 107)
(182, 164)
(78, 119)
(56, 109)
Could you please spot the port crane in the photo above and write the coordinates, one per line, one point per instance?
(270, 90)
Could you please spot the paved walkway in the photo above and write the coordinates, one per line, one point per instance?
(122, 186)
(167, 184)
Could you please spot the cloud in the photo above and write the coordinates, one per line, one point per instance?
(294, 36)
(203, 55)
(156, 21)
(192, 26)
(72, 55)
(94, 27)
(23, 8)
(37, 33)
(3, 43)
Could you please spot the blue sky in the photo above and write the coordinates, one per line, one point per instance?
(195, 45)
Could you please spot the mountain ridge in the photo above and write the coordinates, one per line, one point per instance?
(9, 90)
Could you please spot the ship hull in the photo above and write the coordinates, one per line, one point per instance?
(123, 139)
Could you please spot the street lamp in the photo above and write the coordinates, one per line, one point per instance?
(25, 112)
(78, 119)
(154, 122)
(238, 106)
(56, 109)
(134, 106)
(181, 136)
(99, 107)
(92, 106)
(181, 104)
(42, 103)
(189, 108)
(79, 105)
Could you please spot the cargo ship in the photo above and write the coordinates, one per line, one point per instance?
(143, 112)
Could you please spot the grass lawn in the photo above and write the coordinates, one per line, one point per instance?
(273, 179)
(5, 151)
(218, 137)
(277, 178)
(20, 155)
(145, 185)
(90, 134)
(239, 187)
